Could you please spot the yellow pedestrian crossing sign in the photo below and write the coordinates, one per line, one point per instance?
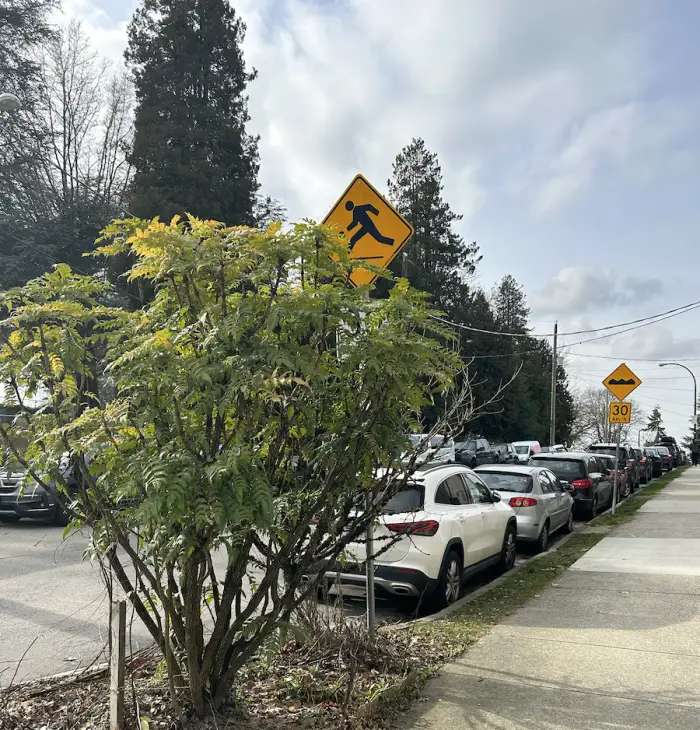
(621, 382)
(375, 230)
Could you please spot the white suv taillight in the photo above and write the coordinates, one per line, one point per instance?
(424, 528)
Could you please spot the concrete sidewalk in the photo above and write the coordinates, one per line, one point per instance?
(614, 643)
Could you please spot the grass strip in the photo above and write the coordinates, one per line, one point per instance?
(628, 508)
(453, 635)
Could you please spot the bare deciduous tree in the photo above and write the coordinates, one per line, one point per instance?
(63, 162)
(591, 418)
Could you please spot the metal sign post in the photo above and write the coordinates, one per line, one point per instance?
(369, 571)
(621, 382)
(617, 463)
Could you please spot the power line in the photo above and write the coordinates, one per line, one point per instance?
(632, 359)
(659, 316)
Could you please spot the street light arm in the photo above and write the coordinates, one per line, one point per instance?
(695, 389)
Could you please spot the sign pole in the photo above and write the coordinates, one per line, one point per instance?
(369, 572)
(617, 462)
(369, 563)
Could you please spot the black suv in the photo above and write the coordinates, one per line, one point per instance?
(506, 453)
(627, 457)
(475, 452)
(670, 443)
(583, 475)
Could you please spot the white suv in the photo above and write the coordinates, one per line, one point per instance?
(442, 527)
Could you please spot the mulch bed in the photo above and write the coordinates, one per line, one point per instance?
(321, 683)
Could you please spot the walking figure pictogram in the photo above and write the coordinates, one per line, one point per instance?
(360, 216)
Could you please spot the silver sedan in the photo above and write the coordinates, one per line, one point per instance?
(542, 505)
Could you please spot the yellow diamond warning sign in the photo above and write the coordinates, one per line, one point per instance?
(621, 382)
(376, 232)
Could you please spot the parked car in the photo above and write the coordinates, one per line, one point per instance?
(474, 452)
(645, 473)
(654, 458)
(627, 457)
(542, 505)
(666, 457)
(506, 453)
(583, 475)
(19, 499)
(525, 449)
(623, 480)
(442, 527)
(436, 449)
(670, 443)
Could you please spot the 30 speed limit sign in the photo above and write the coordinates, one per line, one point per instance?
(620, 412)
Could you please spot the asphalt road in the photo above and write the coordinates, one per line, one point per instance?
(54, 608)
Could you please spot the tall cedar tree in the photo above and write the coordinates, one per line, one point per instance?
(438, 257)
(24, 30)
(191, 149)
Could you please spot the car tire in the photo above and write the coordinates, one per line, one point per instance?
(450, 582)
(543, 539)
(496, 459)
(569, 525)
(10, 518)
(623, 494)
(593, 509)
(472, 464)
(508, 549)
(60, 517)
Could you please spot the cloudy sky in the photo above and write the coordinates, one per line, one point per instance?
(568, 132)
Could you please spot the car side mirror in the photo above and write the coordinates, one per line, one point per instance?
(495, 497)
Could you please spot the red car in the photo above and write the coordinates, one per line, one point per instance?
(623, 481)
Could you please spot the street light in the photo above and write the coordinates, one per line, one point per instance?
(9, 103)
(695, 392)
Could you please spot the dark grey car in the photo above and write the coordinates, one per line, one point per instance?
(584, 477)
(19, 499)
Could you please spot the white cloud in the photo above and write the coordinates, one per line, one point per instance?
(527, 98)
(107, 34)
(574, 290)
(493, 86)
(656, 342)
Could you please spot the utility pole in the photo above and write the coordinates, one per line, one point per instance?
(404, 265)
(553, 407)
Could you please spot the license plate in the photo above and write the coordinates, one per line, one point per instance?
(349, 591)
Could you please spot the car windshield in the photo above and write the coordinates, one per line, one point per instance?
(610, 450)
(662, 450)
(522, 448)
(469, 446)
(439, 442)
(566, 469)
(504, 482)
(408, 499)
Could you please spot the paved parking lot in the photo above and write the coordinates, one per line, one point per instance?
(54, 608)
